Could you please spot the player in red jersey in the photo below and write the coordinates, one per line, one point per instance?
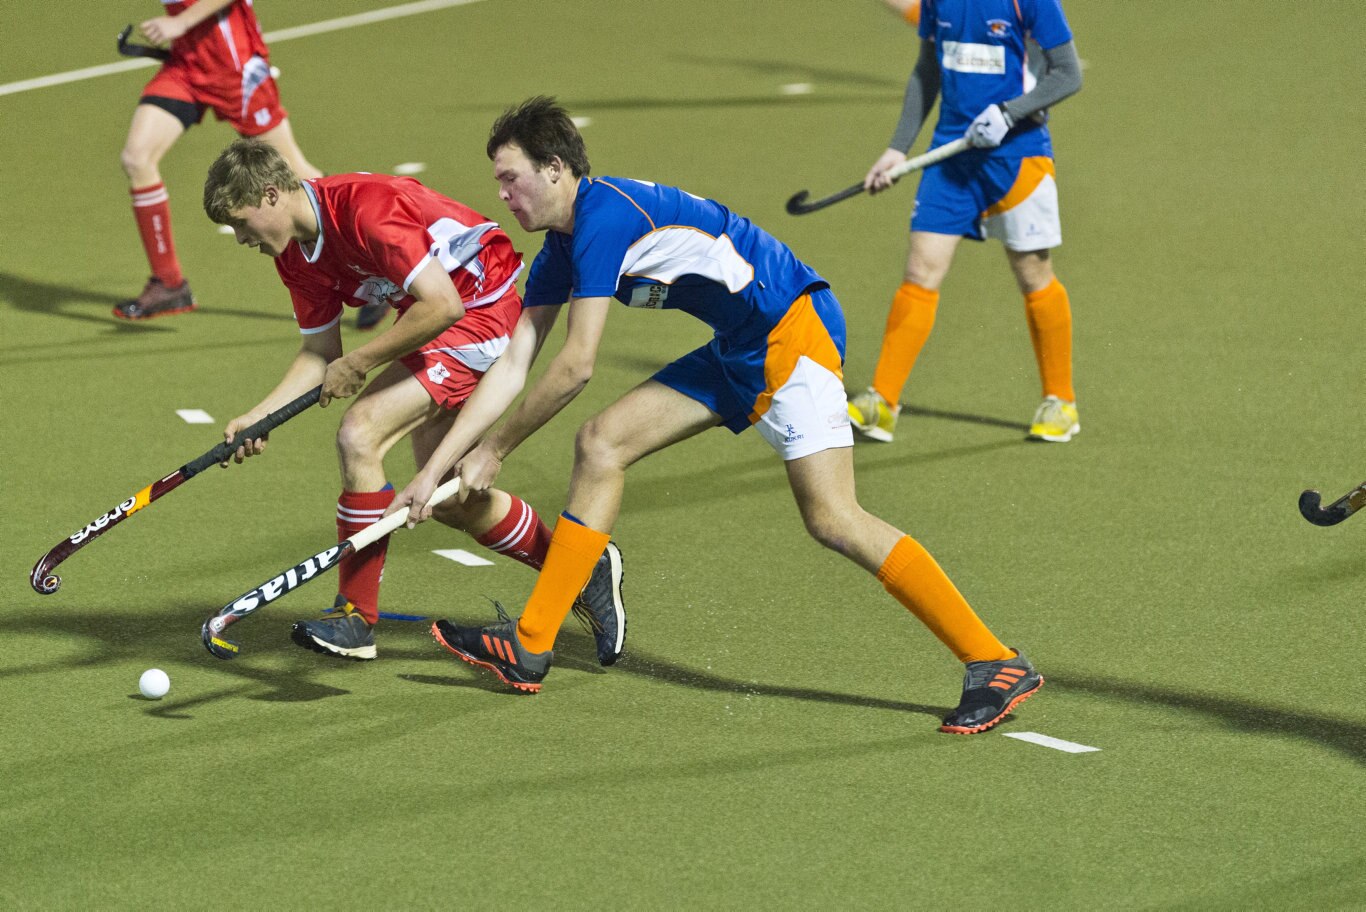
(450, 273)
(219, 61)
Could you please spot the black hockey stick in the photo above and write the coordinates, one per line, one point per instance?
(212, 630)
(132, 49)
(798, 205)
(1335, 512)
(45, 582)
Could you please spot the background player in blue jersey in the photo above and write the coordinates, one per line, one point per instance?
(775, 362)
(973, 55)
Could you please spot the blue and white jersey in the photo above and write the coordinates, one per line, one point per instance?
(981, 46)
(649, 245)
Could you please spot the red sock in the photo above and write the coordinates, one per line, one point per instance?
(521, 535)
(152, 210)
(360, 574)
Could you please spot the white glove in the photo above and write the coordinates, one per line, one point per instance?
(988, 128)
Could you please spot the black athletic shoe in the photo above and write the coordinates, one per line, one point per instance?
(497, 649)
(369, 315)
(157, 300)
(599, 606)
(990, 691)
(346, 635)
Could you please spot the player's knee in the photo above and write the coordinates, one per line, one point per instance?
(135, 160)
(829, 530)
(356, 436)
(595, 446)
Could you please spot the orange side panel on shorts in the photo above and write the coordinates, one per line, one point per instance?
(799, 332)
(1032, 172)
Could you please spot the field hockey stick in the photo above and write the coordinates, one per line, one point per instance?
(275, 587)
(132, 49)
(1335, 512)
(799, 206)
(45, 582)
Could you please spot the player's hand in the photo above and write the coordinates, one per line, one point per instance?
(988, 128)
(477, 471)
(877, 180)
(341, 380)
(162, 29)
(415, 497)
(248, 448)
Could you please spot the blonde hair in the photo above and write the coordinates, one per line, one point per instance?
(240, 175)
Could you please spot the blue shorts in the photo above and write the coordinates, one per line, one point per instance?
(788, 383)
(976, 196)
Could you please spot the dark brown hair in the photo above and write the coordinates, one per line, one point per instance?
(542, 130)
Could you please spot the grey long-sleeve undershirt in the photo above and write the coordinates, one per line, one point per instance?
(1058, 78)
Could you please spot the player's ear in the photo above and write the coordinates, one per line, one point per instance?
(554, 168)
(271, 196)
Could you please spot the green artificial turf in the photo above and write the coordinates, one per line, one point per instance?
(769, 739)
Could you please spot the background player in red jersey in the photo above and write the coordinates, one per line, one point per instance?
(219, 61)
(451, 274)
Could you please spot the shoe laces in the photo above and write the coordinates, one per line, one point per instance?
(586, 618)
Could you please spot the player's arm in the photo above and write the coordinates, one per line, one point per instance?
(304, 372)
(165, 29)
(436, 307)
(1060, 79)
(565, 377)
(492, 397)
(921, 90)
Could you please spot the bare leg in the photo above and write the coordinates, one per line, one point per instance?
(282, 138)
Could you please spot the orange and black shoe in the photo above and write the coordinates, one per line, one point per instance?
(990, 691)
(497, 649)
(157, 300)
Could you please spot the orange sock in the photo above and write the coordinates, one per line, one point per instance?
(574, 549)
(917, 581)
(1050, 328)
(908, 326)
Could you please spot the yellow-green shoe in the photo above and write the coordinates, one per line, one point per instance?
(872, 417)
(1055, 420)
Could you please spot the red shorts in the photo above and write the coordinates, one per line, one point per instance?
(449, 366)
(249, 100)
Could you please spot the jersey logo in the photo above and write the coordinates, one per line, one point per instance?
(262, 117)
(438, 373)
(376, 290)
(966, 57)
(999, 28)
(650, 296)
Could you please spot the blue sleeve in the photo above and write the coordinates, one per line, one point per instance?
(549, 281)
(1046, 22)
(927, 20)
(603, 232)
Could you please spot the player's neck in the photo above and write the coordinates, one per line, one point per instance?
(303, 219)
(564, 223)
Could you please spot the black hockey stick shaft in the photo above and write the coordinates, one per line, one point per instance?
(46, 582)
(798, 204)
(132, 49)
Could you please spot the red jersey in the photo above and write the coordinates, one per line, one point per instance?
(227, 40)
(376, 233)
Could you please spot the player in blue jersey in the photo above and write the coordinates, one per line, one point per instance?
(974, 54)
(775, 362)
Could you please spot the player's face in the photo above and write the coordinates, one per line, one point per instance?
(529, 193)
(265, 227)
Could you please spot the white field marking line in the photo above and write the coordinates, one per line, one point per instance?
(299, 31)
(410, 168)
(797, 88)
(195, 416)
(463, 557)
(1070, 747)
